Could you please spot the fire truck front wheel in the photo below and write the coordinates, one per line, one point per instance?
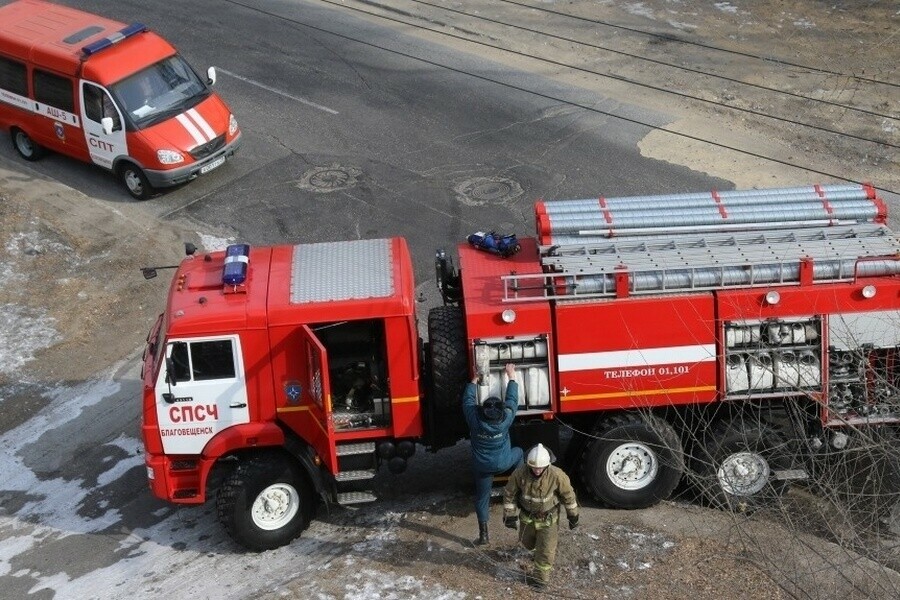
(265, 503)
(632, 461)
(25, 146)
(135, 181)
(739, 463)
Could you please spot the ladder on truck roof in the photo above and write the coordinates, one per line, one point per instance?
(669, 264)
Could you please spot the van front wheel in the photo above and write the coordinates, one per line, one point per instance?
(25, 146)
(135, 181)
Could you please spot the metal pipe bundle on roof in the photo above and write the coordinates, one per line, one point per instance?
(558, 221)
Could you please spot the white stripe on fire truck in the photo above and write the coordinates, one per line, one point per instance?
(191, 129)
(201, 123)
(637, 358)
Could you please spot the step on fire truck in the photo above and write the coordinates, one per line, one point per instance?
(703, 334)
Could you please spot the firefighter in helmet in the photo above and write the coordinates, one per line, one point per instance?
(492, 451)
(532, 500)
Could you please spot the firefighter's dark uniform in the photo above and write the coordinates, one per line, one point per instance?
(537, 502)
(491, 449)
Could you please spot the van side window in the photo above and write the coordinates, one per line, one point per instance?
(54, 90)
(98, 104)
(12, 77)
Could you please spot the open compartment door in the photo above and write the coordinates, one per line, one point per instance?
(317, 393)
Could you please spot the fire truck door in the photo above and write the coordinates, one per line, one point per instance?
(316, 392)
(200, 392)
(103, 147)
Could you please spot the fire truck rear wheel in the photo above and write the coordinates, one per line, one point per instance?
(863, 479)
(447, 344)
(25, 146)
(135, 181)
(738, 463)
(633, 461)
(265, 503)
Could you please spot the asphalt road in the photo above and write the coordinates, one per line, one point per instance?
(356, 129)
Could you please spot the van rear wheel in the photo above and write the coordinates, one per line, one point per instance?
(134, 180)
(25, 146)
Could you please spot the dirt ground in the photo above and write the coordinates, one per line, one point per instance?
(72, 262)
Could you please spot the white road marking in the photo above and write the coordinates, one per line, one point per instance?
(279, 92)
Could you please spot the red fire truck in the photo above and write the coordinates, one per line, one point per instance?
(717, 334)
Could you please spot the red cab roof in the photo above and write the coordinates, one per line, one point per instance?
(52, 36)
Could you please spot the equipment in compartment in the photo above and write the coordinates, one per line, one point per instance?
(776, 354)
(532, 370)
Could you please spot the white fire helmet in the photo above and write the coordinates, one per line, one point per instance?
(538, 457)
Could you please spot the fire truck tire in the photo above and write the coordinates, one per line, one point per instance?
(135, 181)
(737, 464)
(862, 480)
(632, 461)
(25, 146)
(265, 503)
(449, 367)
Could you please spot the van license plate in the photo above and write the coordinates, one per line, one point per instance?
(216, 163)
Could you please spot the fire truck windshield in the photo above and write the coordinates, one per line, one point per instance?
(159, 92)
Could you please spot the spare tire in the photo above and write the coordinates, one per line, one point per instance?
(449, 373)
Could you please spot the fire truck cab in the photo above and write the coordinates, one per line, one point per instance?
(116, 95)
(726, 338)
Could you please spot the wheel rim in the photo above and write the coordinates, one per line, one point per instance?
(133, 182)
(275, 506)
(743, 473)
(23, 143)
(632, 466)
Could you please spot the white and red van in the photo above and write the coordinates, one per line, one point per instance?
(113, 94)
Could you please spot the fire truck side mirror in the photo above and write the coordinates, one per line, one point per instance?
(170, 368)
(211, 76)
(107, 124)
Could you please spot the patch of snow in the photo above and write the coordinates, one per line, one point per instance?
(23, 332)
(682, 26)
(638, 9)
(212, 243)
(726, 7)
(372, 584)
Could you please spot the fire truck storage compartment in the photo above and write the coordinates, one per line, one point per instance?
(863, 366)
(762, 356)
(529, 354)
(358, 372)
(640, 351)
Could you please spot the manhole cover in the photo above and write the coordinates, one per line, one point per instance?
(329, 178)
(487, 190)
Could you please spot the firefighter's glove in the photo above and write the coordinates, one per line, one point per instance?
(573, 521)
(511, 522)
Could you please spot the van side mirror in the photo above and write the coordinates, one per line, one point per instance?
(211, 76)
(107, 124)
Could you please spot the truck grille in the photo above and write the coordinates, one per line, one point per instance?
(201, 152)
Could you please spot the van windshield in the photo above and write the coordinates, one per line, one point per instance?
(159, 92)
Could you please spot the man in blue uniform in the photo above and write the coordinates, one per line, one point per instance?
(491, 449)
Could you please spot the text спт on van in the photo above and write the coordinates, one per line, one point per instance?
(115, 95)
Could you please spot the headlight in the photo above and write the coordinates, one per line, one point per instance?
(232, 125)
(169, 157)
